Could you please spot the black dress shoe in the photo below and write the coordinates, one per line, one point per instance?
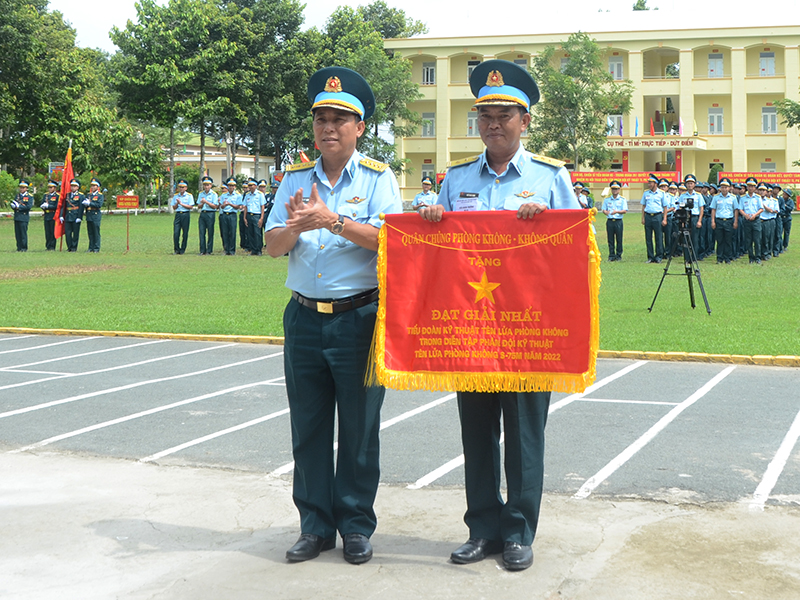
(517, 557)
(475, 550)
(309, 546)
(357, 549)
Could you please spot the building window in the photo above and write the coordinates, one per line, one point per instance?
(429, 73)
(769, 167)
(766, 64)
(616, 167)
(471, 64)
(715, 66)
(769, 119)
(472, 123)
(564, 63)
(715, 121)
(522, 62)
(428, 171)
(614, 125)
(615, 68)
(428, 124)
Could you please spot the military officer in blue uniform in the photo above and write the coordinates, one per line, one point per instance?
(724, 220)
(327, 217)
(49, 206)
(72, 213)
(768, 217)
(786, 216)
(653, 218)
(504, 177)
(182, 202)
(750, 209)
(230, 203)
(426, 197)
(696, 219)
(269, 198)
(21, 205)
(614, 207)
(254, 205)
(208, 203)
(93, 203)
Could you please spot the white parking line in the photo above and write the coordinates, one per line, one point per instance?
(288, 467)
(144, 413)
(591, 484)
(616, 401)
(109, 369)
(16, 337)
(130, 386)
(776, 466)
(459, 460)
(81, 355)
(80, 339)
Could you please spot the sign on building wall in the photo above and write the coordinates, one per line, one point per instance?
(658, 143)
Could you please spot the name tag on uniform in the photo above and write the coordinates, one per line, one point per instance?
(466, 201)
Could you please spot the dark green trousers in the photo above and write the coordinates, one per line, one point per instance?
(325, 358)
(205, 225)
(524, 418)
(227, 229)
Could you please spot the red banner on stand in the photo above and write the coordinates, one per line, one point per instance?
(485, 301)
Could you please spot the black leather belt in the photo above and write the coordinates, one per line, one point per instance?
(725, 219)
(337, 306)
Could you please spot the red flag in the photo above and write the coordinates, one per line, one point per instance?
(66, 177)
(303, 157)
(652, 129)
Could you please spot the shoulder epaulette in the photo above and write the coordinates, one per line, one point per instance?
(373, 164)
(301, 166)
(547, 160)
(463, 161)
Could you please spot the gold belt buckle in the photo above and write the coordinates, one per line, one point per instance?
(325, 307)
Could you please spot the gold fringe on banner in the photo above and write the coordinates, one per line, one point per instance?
(378, 374)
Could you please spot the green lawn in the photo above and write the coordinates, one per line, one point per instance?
(754, 310)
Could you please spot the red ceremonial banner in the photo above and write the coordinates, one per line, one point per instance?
(606, 177)
(484, 301)
(782, 178)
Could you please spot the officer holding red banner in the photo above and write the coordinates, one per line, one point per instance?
(504, 177)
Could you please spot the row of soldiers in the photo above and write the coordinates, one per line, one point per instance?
(729, 219)
(76, 207)
(250, 209)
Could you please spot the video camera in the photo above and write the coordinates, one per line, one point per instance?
(683, 211)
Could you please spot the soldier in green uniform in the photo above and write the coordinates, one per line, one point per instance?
(21, 205)
(72, 213)
(93, 202)
(49, 206)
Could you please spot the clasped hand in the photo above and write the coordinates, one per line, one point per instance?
(308, 216)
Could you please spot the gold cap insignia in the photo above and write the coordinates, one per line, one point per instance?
(333, 84)
(495, 79)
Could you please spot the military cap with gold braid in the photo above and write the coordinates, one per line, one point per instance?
(338, 87)
(503, 83)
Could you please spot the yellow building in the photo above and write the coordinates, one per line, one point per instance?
(716, 85)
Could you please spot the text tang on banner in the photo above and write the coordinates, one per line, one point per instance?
(484, 301)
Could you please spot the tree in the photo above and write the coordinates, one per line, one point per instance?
(570, 121)
(642, 5)
(391, 22)
(789, 111)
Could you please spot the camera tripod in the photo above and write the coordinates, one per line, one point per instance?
(683, 239)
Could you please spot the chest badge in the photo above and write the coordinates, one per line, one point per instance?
(525, 194)
(356, 200)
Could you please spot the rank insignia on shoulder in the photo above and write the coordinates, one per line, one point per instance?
(302, 166)
(374, 165)
(549, 161)
(463, 161)
(525, 194)
(355, 200)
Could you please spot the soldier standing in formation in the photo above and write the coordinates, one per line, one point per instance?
(230, 203)
(71, 215)
(182, 202)
(21, 205)
(93, 203)
(49, 206)
(208, 203)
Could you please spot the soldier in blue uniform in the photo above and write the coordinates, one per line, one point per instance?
(750, 209)
(654, 218)
(71, 215)
(724, 220)
(254, 206)
(426, 197)
(208, 203)
(786, 216)
(327, 217)
(614, 207)
(230, 203)
(504, 177)
(768, 217)
(93, 203)
(49, 206)
(21, 205)
(696, 220)
(182, 203)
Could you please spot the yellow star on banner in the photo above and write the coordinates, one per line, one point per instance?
(484, 288)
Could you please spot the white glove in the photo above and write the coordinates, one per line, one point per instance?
(44, 205)
(14, 205)
(77, 220)
(61, 219)
(85, 202)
